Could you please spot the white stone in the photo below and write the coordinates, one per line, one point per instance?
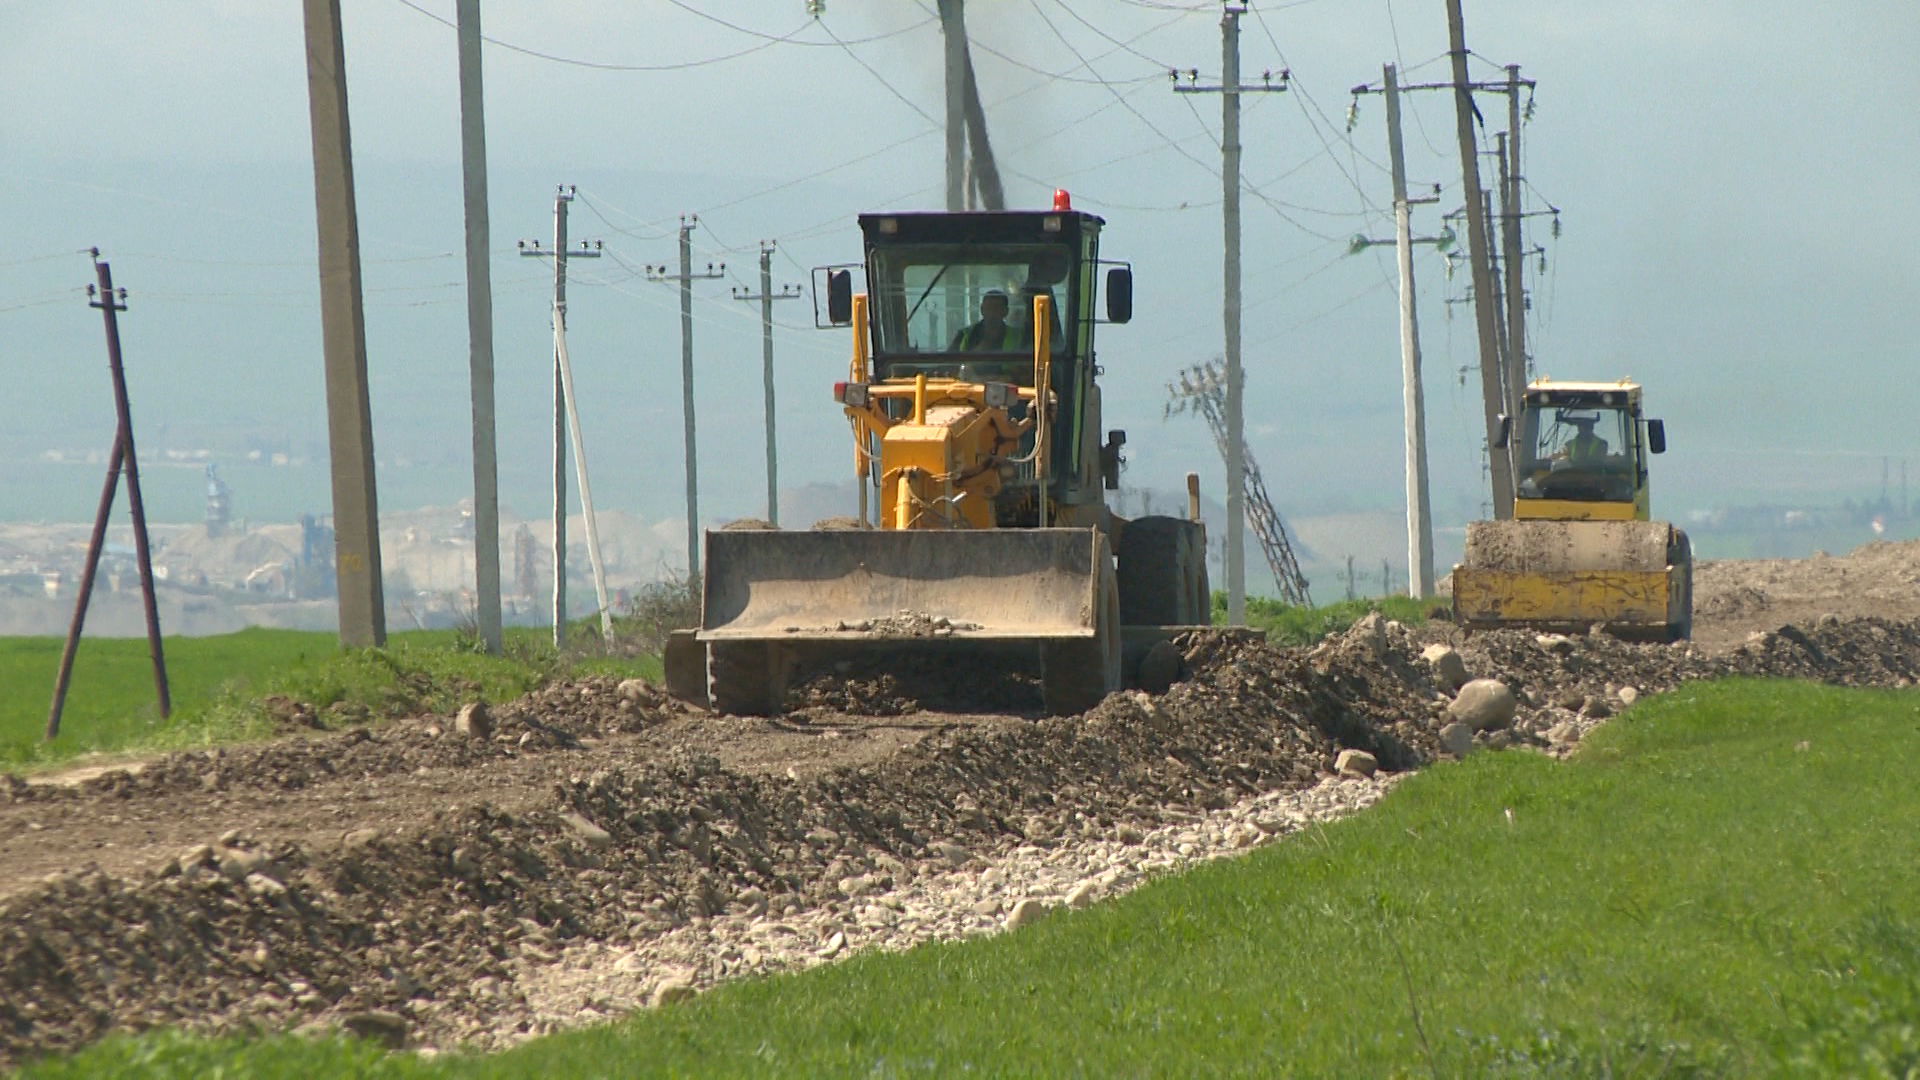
(1629, 695)
(1024, 912)
(1355, 763)
(1484, 704)
(1083, 895)
(1449, 670)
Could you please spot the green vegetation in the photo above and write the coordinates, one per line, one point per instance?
(223, 686)
(1287, 624)
(1720, 883)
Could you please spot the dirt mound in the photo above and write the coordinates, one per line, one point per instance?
(429, 916)
(1734, 598)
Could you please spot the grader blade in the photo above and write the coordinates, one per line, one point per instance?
(779, 602)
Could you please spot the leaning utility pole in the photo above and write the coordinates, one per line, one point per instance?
(123, 456)
(953, 36)
(767, 296)
(1511, 242)
(343, 331)
(486, 472)
(1230, 91)
(566, 417)
(1419, 510)
(1478, 253)
(686, 277)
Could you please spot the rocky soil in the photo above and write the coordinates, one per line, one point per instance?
(479, 878)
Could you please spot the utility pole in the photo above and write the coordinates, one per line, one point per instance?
(1511, 243)
(953, 35)
(566, 417)
(1230, 91)
(123, 456)
(1419, 506)
(486, 472)
(1478, 253)
(767, 296)
(686, 277)
(343, 331)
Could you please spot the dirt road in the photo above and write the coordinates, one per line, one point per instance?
(433, 879)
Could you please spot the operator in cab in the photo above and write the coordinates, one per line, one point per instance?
(993, 333)
(1585, 448)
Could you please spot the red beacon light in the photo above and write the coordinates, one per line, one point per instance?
(1062, 200)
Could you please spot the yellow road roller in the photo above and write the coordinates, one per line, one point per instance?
(1582, 550)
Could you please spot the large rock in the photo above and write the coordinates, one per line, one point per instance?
(1355, 763)
(1025, 912)
(1457, 739)
(590, 834)
(1484, 704)
(378, 1025)
(1370, 634)
(1449, 670)
(669, 990)
(473, 721)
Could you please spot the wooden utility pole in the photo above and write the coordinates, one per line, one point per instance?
(766, 296)
(685, 278)
(1230, 90)
(1419, 508)
(122, 456)
(486, 473)
(1479, 255)
(343, 330)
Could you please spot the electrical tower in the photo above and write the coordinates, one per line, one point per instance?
(1203, 389)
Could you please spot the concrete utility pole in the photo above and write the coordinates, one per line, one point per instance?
(1478, 253)
(486, 472)
(766, 296)
(953, 35)
(1511, 243)
(343, 331)
(1230, 90)
(1419, 509)
(123, 456)
(686, 277)
(562, 399)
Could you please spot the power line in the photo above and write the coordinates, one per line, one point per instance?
(881, 79)
(786, 39)
(600, 66)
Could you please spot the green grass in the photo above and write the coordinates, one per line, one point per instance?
(1721, 883)
(1287, 624)
(217, 684)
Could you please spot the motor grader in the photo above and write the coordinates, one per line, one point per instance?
(1581, 550)
(983, 533)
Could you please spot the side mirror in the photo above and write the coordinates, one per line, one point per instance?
(1503, 432)
(1119, 294)
(1657, 436)
(840, 297)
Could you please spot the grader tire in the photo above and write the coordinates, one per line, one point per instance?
(1157, 570)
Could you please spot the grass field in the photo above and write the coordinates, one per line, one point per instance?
(1287, 624)
(1721, 883)
(216, 684)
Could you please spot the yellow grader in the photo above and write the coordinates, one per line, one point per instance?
(974, 403)
(1581, 550)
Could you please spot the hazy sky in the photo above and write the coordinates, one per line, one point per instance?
(1737, 184)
